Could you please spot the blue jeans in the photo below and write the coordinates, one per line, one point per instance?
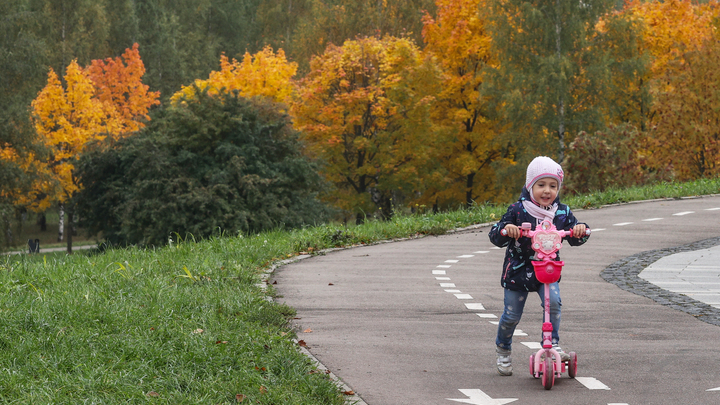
(514, 305)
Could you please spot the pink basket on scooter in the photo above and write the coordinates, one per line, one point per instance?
(548, 271)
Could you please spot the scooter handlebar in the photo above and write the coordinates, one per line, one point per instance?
(526, 232)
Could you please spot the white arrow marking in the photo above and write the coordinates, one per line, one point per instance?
(592, 383)
(714, 389)
(477, 397)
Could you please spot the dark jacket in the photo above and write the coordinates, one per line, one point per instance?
(518, 273)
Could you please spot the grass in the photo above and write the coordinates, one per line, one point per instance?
(189, 323)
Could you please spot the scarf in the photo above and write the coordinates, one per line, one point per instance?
(540, 213)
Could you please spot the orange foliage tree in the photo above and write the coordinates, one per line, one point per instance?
(673, 27)
(458, 39)
(119, 86)
(686, 130)
(363, 111)
(266, 73)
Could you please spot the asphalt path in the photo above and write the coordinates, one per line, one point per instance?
(411, 322)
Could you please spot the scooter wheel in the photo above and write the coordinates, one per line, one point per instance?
(532, 366)
(572, 365)
(548, 377)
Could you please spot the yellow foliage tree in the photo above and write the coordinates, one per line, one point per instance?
(673, 27)
(266, 73)
(458, 39)
(67, 120)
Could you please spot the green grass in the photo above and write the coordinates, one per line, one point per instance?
(190, 323)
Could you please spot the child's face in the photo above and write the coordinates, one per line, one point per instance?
(545, 190)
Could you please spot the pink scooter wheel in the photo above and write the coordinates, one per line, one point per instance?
(532, 366)
(548, 377)
(572, 365)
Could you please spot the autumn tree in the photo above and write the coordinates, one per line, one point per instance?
(363, 112)
(686, 130)
(70, 118)
(458, 38)
(119, 86)
(549, 76)
(265, 73)
(673, 27)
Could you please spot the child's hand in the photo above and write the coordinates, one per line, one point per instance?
(512, 231)
(579, 231)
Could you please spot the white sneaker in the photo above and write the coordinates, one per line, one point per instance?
(563, 356)
(504, 361)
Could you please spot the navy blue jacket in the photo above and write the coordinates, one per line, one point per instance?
(518, 273)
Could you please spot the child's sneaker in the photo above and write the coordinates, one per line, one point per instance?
(563, 356)
(504, 361)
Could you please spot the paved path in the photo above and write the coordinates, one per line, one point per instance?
(695, 274)
(412, 322)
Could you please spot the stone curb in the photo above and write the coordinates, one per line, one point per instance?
(624, 274)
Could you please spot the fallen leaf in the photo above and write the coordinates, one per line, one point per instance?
(198, 331)
(275, 282)
(263, 390)
(349, 392)
(302, 343)
(308, 330)
(221, 342)
(153, 394)
(240, 397)
(331, 284)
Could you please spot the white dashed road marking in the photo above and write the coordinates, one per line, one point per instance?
(451, 261)
(679, 214)
(487, 316)
(464, 296)
(439, 272)
(622, 224)
(475, 306)
(447, 285)
(592, 383)
(465, 256)
(533, 345)
(652, 219)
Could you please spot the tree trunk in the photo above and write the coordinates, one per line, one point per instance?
(69, 229)
(61, 222)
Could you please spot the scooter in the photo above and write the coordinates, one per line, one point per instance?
(546, 241)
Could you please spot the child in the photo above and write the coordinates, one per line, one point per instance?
(539, 201)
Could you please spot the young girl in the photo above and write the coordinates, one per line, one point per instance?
(539, 201)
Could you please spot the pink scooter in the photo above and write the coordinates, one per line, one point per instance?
(546, 241)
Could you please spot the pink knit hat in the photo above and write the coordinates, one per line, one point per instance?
(543, 166)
